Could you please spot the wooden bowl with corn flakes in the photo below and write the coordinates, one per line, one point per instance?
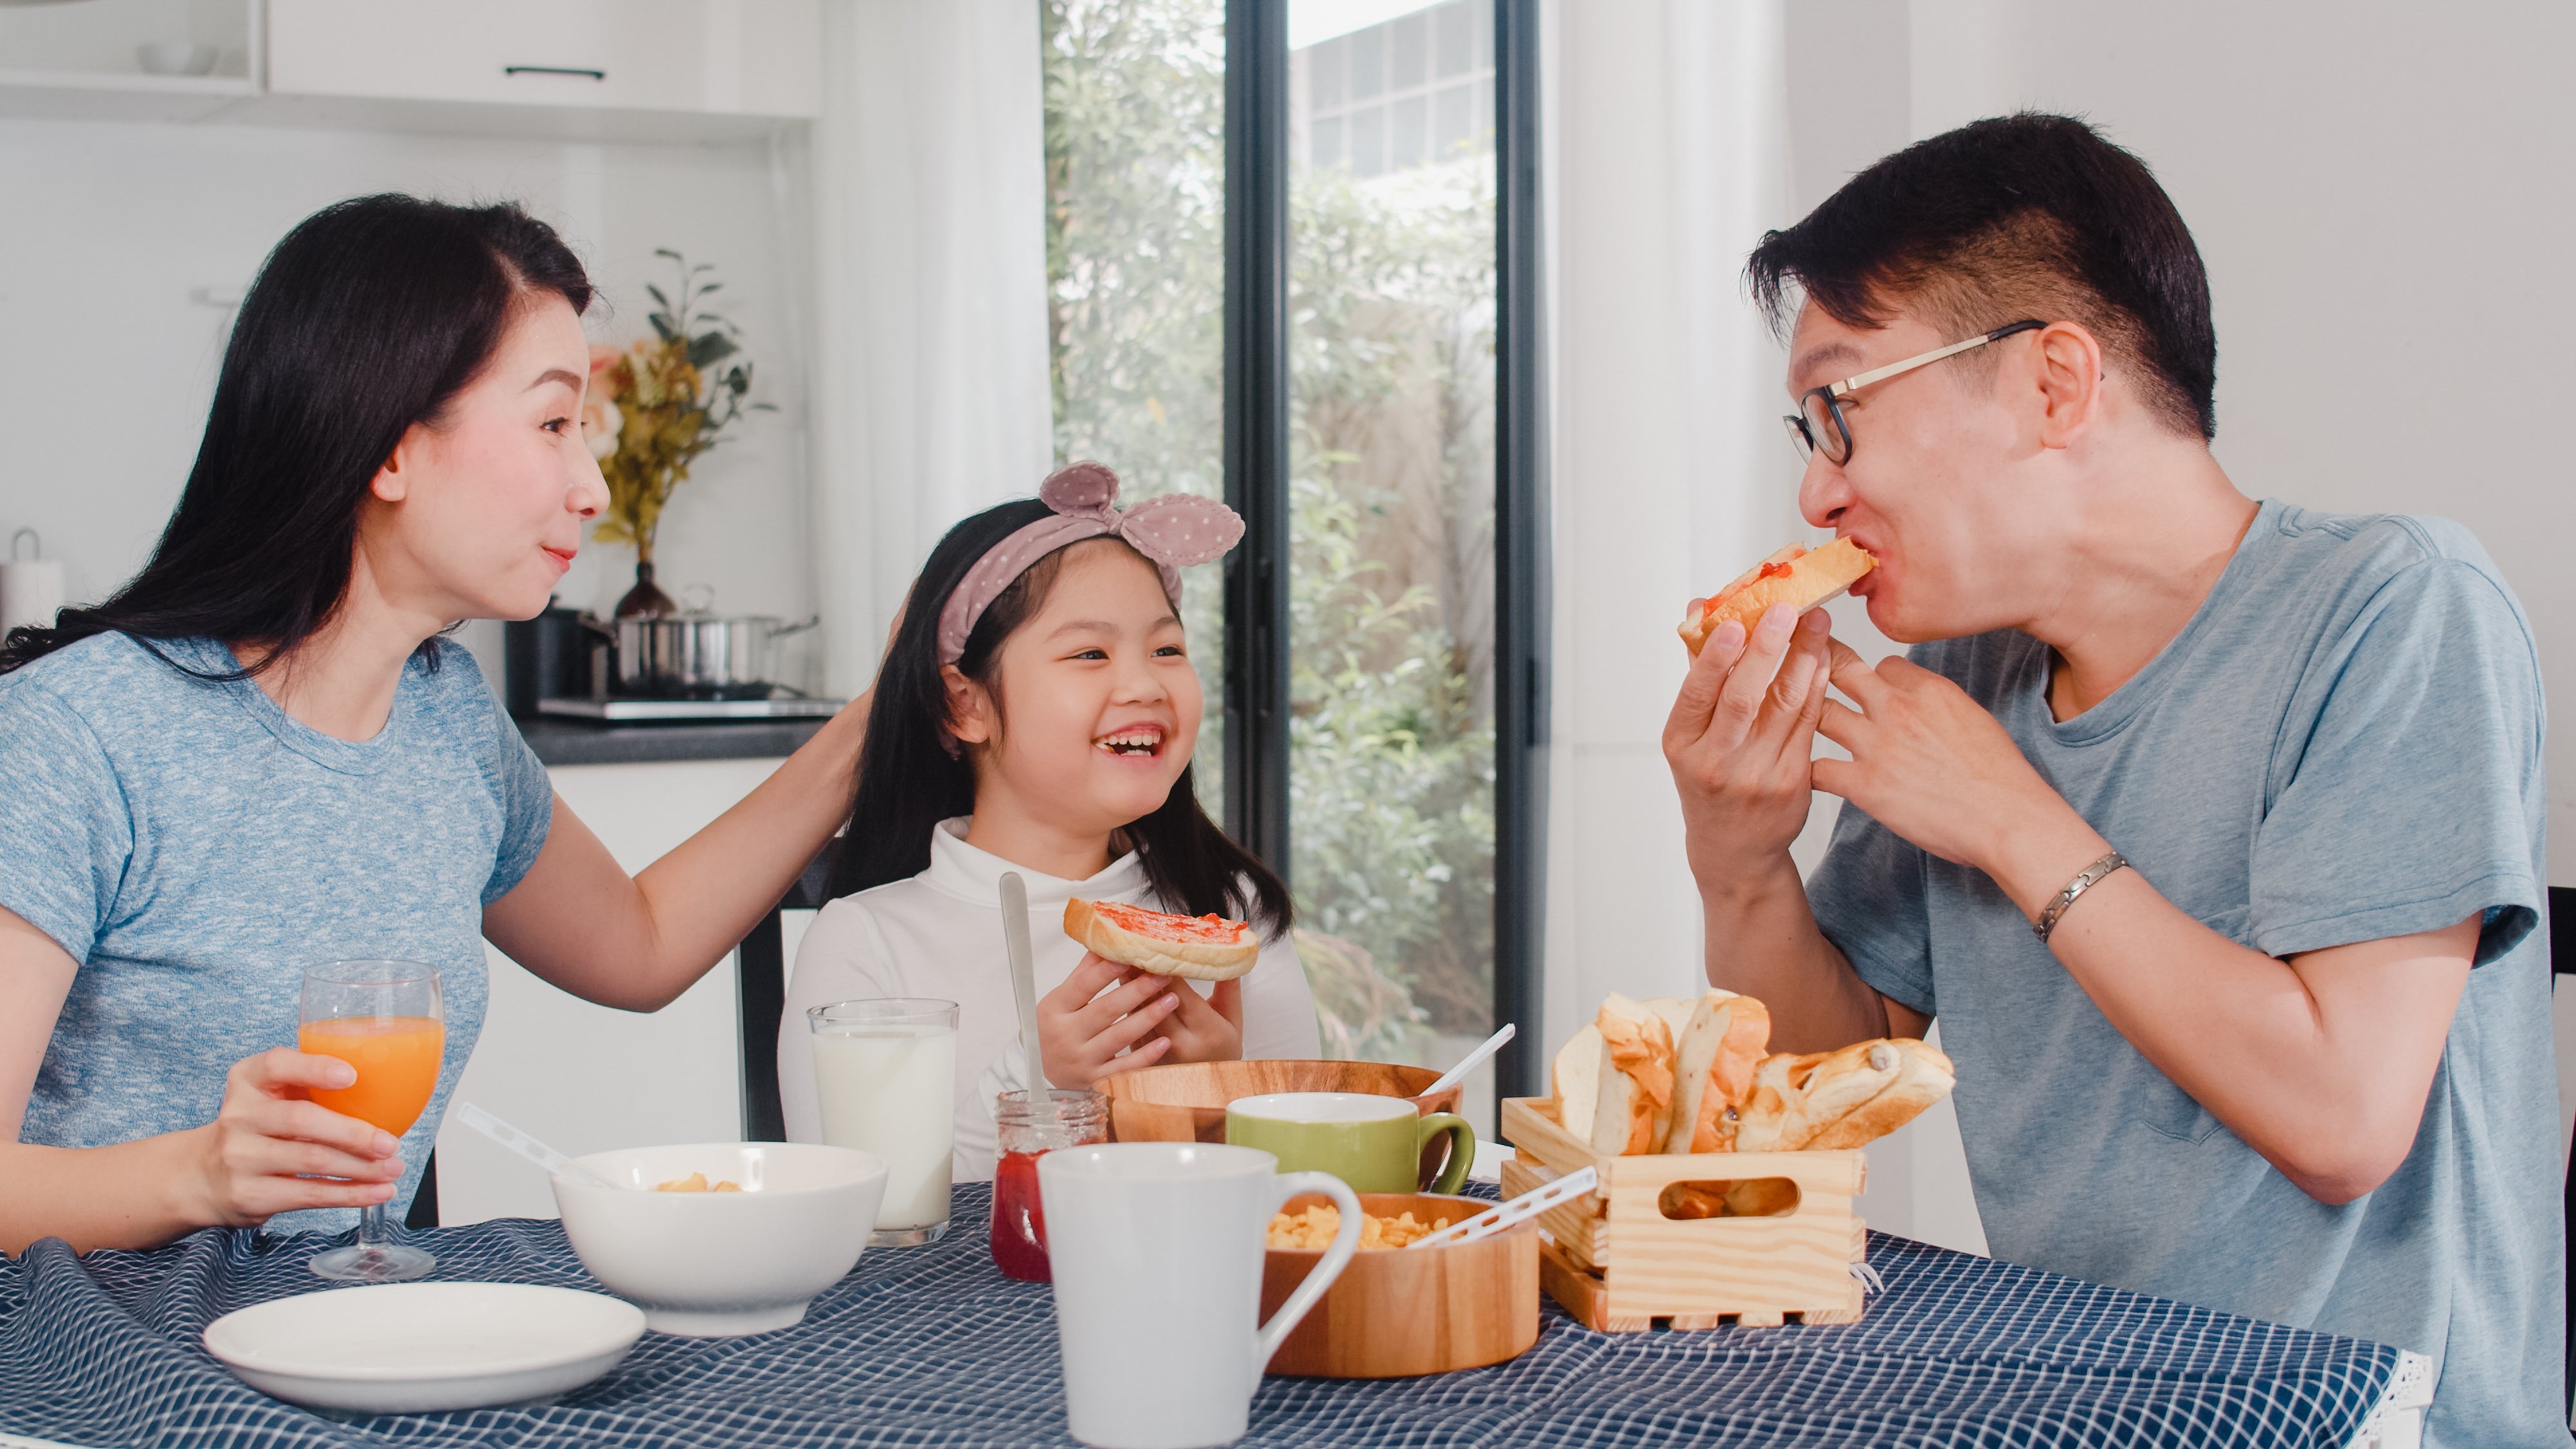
(1399, 1311)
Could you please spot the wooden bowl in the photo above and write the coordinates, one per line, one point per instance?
(1185, 1102)
(1395, 1312)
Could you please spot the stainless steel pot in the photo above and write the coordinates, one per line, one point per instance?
(694, 656)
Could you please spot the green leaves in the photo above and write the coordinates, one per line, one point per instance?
(677, 400)
(709, 348)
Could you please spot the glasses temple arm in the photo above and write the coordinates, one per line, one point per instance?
(1845, 387)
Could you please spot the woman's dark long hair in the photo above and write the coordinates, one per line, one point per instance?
(368, 318)
(909, 782)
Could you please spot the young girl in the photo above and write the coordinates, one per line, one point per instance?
(1036, 713)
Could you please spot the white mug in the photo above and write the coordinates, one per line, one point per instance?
(1157, 1250)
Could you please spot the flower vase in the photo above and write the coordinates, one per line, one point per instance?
(646, 600)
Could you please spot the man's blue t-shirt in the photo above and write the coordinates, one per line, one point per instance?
(193, 848)
(2344, 744)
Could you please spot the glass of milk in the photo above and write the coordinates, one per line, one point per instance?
(885, 1070)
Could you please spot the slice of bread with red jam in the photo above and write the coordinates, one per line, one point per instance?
(1799, 577)
(1200, 948)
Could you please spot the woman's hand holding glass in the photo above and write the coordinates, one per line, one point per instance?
(270, 1150)
(1103, 1009)
(385, 1021)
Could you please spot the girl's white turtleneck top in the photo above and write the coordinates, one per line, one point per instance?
(939, 934)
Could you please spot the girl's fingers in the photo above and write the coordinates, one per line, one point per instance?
(1143, 1056)
(1133, 1027)
(1121, 1001)
(1227, 999)
(1087, 980)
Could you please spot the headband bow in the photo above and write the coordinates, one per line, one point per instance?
(1172, 531)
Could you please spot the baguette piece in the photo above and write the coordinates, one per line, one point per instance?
(1797, 576)
(1197, 948)
(1636, 1078)
(1576, 1082)
(1841, 1098)
(1713, 1067)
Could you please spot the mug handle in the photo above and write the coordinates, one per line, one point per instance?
(1462, 1149)
(1346, 1241)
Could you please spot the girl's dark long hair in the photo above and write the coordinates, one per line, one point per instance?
(908, 782)
(368, 318)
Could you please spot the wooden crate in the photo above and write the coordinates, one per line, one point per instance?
(1619, 1264)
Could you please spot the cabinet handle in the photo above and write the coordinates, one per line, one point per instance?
(597, 75)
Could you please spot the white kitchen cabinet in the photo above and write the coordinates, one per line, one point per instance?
(721, 57)
(587, 1078)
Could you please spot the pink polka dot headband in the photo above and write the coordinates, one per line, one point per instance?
(1172, 531)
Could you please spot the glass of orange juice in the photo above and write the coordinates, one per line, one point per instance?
(383, 1018)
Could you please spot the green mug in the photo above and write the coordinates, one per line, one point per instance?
(1373, 1143)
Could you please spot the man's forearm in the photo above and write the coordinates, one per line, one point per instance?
(1762, 941)
(2320, 1063)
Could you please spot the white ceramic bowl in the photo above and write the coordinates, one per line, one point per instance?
(175, 57)
(712, 1264)
(416, 1348)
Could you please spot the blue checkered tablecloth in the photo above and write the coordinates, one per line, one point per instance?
(933, 1346)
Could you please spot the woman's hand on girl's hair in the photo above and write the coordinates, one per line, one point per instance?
(269, 1150)
(1208, 1029)
(1101, 1010)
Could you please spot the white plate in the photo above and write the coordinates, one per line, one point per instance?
(413, 1348)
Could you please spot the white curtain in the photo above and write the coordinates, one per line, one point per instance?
(931, 397)
(1666, 124)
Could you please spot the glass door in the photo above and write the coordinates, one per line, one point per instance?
(1391, 319)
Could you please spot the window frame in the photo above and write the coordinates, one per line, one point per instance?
(1256, 689)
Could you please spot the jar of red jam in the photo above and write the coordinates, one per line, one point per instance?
(1028, 1125)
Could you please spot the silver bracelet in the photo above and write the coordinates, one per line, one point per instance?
(2085, 880)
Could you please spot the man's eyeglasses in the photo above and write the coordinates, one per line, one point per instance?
(1818, 425)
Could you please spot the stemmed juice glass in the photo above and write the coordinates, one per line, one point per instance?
(384, 1019)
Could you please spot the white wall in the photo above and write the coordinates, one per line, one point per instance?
(109, 227)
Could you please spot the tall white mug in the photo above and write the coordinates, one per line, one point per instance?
(1157, 1249)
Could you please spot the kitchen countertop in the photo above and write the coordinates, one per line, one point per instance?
(560, 741)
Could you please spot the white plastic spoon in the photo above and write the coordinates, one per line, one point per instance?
(1474, 1059)
(527, 1146)
(1528, 1205)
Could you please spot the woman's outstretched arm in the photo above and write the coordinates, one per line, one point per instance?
(580, 922)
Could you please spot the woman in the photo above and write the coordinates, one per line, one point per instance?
(262, 753)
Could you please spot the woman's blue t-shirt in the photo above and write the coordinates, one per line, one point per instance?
(194, 849)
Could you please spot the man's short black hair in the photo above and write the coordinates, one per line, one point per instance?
(2029, 215)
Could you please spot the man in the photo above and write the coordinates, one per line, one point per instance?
(2210, 831)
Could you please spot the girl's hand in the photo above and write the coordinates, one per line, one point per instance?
(1082, 1027)
(1206, 1030)
(269, 1150)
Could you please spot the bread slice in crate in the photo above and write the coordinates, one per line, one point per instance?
(1693, 1238)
